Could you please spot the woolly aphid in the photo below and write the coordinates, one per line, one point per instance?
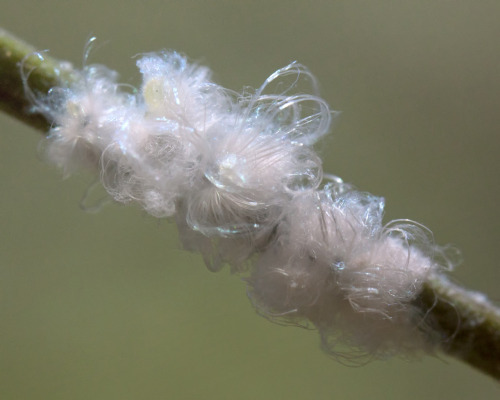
(238, 174)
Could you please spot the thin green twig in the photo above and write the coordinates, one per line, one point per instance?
(43, 72)
(465, 323)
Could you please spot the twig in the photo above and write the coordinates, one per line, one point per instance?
(44, 73)
(465, 323)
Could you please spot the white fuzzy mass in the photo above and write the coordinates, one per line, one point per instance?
(238, 174)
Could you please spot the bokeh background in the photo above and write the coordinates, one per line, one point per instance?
(107, 305)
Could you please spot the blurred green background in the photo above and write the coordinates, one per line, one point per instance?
(107, 306)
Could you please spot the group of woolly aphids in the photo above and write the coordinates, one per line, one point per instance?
(238, 175)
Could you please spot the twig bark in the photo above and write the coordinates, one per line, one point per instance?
(43, 72)
(465, 323)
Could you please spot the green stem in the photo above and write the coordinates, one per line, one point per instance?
(42, 71)
(466, 324)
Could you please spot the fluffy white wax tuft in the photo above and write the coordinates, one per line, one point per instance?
(334, 264)
(237, 173)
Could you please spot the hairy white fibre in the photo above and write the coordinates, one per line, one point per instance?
(334, 264)
(237, 173)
